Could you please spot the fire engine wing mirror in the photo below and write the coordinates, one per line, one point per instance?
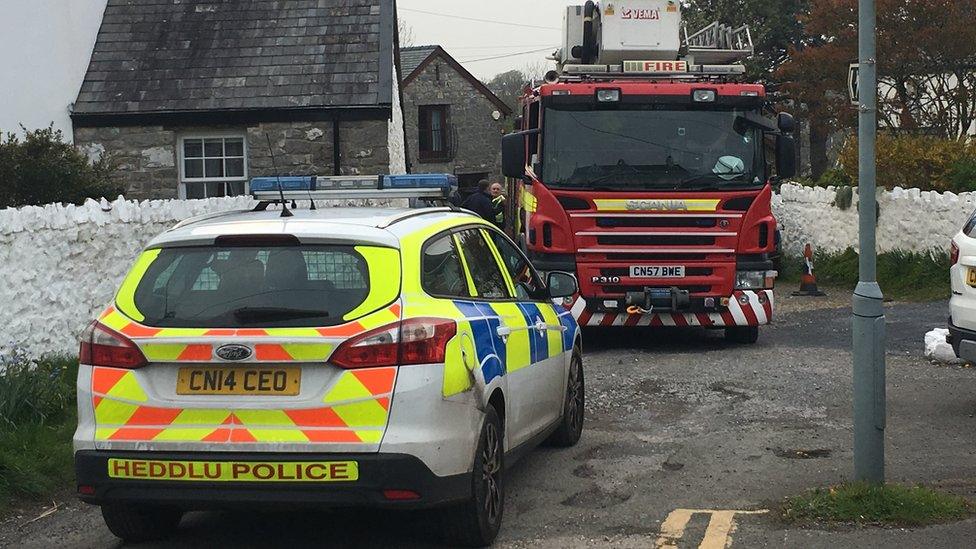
(562, 285)
(513, 153)
(786, 122)
(785, 156)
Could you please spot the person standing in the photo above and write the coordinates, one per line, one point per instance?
(481, 202)
(498, 205)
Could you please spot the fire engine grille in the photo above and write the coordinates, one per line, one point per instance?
(656, 257)
(677, 222)
(656, 240)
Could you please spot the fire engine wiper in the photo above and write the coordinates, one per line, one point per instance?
(249, 315)
(711, 184)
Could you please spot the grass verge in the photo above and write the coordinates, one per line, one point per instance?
(871, 504)
(903, 276)
(37, 418)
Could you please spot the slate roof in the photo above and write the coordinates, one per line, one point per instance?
(415, 59)
(190, 56)
(412, 57)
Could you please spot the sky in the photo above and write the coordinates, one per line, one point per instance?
(472, 42)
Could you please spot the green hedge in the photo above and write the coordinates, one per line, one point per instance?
(903, 276)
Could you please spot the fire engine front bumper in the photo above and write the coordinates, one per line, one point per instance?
(746, 308)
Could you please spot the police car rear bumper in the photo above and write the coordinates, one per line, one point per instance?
(377, 473)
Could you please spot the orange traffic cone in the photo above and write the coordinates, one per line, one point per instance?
(808, 282)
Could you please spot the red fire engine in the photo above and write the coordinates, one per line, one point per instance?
(642, 165)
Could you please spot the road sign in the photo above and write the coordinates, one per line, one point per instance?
(852, 83)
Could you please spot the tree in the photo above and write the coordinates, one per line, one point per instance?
(405, 33)
(509, 87)
(926, 64)
(43, 169)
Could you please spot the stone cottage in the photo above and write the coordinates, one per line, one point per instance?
(454, 122)
(191, 97)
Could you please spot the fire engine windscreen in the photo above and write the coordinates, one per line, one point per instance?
(252, 287)
(651, 147)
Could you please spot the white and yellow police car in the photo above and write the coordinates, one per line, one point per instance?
(339, 357)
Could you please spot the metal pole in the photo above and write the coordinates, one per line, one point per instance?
(869, 319)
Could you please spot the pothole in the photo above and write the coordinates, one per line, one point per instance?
(730, 390)
(597, 498)
(819, 453)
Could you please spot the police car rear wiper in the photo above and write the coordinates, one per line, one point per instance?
(258, 314)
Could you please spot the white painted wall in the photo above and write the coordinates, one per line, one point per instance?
(910, 220)
(45, 48)
(61, 265)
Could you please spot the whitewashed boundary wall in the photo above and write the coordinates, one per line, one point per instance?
(61, 265)
(910, 220)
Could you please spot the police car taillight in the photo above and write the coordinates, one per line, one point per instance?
(102, 346)
(414, 341)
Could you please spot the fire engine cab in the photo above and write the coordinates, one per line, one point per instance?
(644, 165)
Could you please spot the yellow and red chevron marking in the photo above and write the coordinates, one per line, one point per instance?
(355, 410)
(117, 321)
(307, 350)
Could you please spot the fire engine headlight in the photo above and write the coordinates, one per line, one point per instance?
(755, 280)
(704, 96)
(608, 96)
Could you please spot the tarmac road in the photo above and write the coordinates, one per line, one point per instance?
(677, 420)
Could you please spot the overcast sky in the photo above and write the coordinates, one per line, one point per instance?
(470, 41)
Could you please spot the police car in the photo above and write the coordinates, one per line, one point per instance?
(339, 357)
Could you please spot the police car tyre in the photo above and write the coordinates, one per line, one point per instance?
(571, 425)
(475, 523)
(137, 523)
(746, 335)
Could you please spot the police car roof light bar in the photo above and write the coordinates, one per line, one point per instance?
(269, 190)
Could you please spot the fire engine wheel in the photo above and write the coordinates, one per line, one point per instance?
(746, 335)
(139, 523)
(475, 523)
(571, 426)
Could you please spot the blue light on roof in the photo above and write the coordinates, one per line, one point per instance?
(421, 181)
(288, 183)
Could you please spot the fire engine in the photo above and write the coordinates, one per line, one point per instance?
(644, 164)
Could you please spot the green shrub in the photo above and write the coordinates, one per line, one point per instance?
(910, 161)
(962, 175)
(44, 169)
(37, 418)
(903, 276)
(35, 391)
(836, 177)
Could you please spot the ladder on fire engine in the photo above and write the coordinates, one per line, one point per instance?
(719, 44)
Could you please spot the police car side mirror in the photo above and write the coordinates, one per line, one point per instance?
(562, 285)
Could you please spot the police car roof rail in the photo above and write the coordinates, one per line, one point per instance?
(393, 220)
(419, 186)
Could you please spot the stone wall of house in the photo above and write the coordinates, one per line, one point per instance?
(475, 135)
(148, 156)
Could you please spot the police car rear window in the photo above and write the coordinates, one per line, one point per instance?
(253, 287)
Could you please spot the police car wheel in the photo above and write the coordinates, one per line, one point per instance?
(475, 523)
(746, 335)
(138, 523)
(571, 426)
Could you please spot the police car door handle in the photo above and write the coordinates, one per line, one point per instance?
(504, 332)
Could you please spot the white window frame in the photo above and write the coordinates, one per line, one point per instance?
(211, 135)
